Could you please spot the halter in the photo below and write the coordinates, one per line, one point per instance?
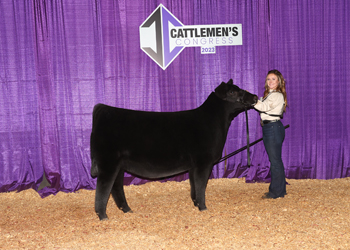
(247, 128)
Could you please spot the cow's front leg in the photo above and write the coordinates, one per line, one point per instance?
(201, 177)
(103, 190)
(118, 193)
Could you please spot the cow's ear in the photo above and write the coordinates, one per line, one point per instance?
(230, 82)
(221, 90)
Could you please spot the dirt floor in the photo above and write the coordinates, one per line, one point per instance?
(314, 215)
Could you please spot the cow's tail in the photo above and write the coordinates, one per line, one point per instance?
(94, 168)
(95, 115)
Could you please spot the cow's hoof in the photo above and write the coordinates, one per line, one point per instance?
(102, 217)
(126, 210)
(202, 209)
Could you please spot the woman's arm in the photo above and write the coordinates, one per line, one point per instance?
(272, 101)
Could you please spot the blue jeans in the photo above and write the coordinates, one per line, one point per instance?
(273, 136)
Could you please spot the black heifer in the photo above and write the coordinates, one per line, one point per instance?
(161, 144)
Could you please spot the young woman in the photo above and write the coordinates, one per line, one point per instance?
(271, 108)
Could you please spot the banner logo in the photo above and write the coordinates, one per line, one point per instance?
(163, 36)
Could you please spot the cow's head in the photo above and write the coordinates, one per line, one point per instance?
(232, 93)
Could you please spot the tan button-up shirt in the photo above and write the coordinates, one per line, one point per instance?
(272, 104)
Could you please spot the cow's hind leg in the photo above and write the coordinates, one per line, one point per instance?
(103, 189)
(118, 193)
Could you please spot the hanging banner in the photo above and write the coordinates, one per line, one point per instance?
(163, 36)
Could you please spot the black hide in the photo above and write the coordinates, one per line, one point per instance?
(156, 145)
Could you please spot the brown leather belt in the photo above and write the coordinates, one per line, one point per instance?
(267, 121)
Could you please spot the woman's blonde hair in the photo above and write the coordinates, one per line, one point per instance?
(280, 88)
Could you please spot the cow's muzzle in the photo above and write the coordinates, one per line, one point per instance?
(248, 99)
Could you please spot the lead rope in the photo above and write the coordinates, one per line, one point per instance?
(247, 127)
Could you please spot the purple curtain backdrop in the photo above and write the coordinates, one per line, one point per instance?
(59, 58)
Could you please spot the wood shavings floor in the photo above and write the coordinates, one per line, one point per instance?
(314, 215)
